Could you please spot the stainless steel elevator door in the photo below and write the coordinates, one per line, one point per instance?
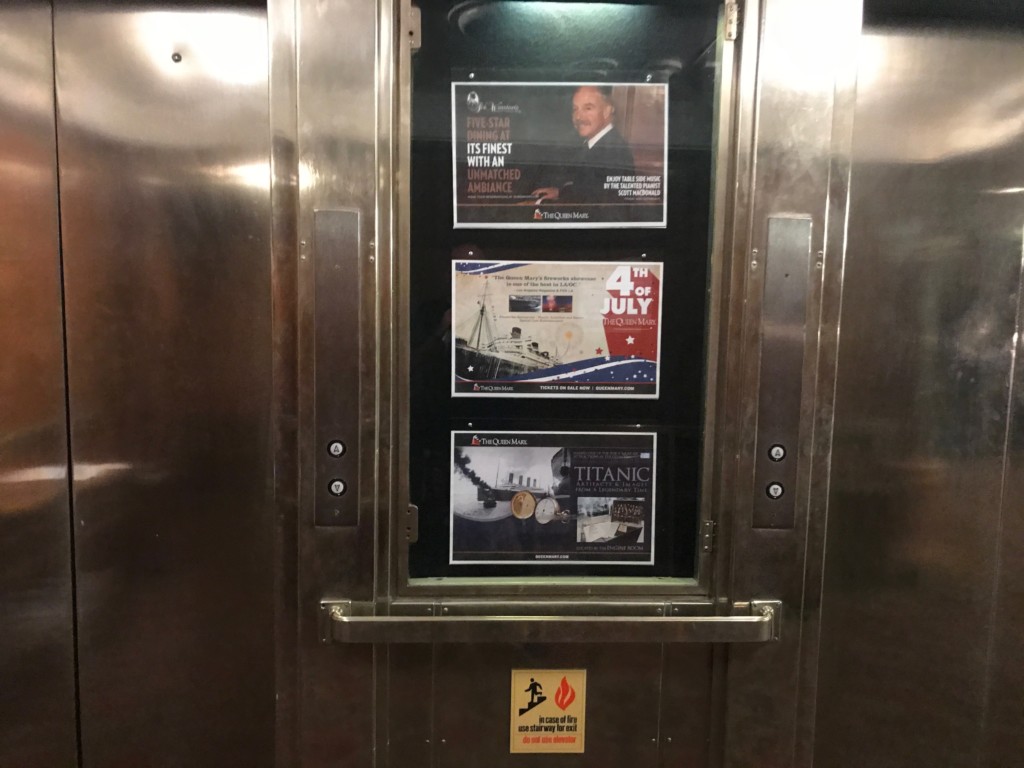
(920, 646)
(164, 148)
(37, 687)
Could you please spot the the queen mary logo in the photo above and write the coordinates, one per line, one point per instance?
(473, 102)
(475, 441)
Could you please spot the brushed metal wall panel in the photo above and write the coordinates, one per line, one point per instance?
(410, 708)
(342, 154)
(687, 705)
(37, 687)
(1003, 737)
(164, 166)
(624, 685)
(913, 648)
(796, 73)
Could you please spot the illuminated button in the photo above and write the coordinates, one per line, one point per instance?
(337, 487)
(776, 453)
(336, 448)
(775, 490)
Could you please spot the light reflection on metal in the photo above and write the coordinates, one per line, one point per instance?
(552, 17)
(255, 175)
(84, 472)
(922, 128)
(216, 45)
(174, 63)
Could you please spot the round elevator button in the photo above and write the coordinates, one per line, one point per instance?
(775, 490)
(336, 448)
(776, 453)
(337, 487)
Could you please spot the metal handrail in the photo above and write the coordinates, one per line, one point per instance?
(753, 622)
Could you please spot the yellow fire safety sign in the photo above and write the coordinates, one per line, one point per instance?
(549, 710)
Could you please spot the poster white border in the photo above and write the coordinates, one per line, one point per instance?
(557, 563)
(456, 224)
(565, 395)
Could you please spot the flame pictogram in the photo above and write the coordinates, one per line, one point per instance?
(565, 695)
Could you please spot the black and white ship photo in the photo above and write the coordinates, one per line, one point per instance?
(490, 349)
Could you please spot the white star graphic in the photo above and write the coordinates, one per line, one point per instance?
(630, 339)
(470, 369)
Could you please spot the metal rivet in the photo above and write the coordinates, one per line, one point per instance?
(472, 76)
(176, 57)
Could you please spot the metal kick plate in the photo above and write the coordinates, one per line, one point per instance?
(783, 329)
(337, 262)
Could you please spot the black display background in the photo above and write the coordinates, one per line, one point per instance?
(547, 41)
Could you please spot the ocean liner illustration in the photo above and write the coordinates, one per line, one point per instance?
(483, 355)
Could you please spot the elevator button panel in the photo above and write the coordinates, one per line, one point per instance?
(786, 275)
(336, 262)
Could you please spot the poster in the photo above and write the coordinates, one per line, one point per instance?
(556, 329)
(548, 712)
(549, 498)
(559, 155)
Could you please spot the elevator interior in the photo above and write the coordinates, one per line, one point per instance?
(222, 235)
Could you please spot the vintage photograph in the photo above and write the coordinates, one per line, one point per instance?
(567, 154)
(556, 329)
(549, 498)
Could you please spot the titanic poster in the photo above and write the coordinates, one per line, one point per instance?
(549, 498)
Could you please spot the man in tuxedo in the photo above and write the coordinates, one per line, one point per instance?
(603, 152)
